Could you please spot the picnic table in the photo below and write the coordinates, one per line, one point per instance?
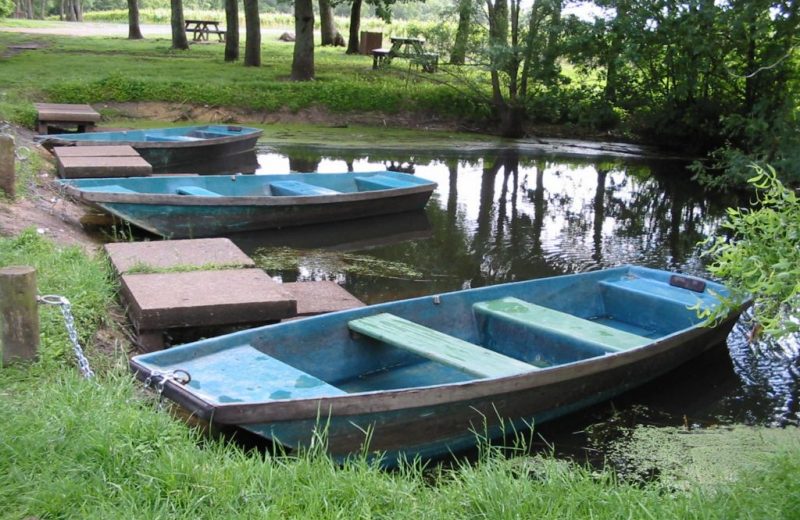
(409, 48)
(200, 29)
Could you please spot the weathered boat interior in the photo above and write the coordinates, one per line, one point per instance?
(483, 333)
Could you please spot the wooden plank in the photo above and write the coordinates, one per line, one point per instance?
(95, 151)
(381, 182)
(81, 167)
(543, 318)
(196, 191)
(438, 346)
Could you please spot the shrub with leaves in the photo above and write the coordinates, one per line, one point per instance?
(761, 256)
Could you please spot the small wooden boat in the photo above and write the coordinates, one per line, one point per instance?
(213, 205)
(173, 150)
(420, 377)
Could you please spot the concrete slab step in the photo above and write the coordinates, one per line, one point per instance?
(211, 253)
(321, 297)
(95, 151)
(98, 167)
(204, 298)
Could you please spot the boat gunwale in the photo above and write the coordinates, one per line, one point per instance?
(426, 396)
(100, 197)
(255, 134)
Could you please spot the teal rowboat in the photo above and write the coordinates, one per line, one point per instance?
(188, 149)
(420, 377)
(213, 205)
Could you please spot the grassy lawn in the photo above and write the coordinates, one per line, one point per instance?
(103, 69)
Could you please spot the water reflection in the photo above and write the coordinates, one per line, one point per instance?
(506, 216)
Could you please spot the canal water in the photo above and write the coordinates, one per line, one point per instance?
(500, 216)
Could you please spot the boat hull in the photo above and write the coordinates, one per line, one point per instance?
(209, 149)
(245, 203)
(435, 419)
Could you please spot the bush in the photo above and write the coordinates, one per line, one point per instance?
(6, 8)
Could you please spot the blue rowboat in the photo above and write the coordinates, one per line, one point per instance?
(213, 205)
(420, 377)
(189, 149)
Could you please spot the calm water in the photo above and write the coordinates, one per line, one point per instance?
(502, 217)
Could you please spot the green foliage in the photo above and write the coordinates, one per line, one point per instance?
(6, 8)
(762, 255)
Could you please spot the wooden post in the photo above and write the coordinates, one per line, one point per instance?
(7, 177)
(19, 315)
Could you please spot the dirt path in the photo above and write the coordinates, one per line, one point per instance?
(108, 29)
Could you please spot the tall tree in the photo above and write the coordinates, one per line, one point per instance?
(179, 40)
(466, 12)
(252, 48)
(355, 27)
(327, 25)
(232, 30)
(134, 32)
(303, 60)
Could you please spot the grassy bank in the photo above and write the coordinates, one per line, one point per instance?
(71, 448)
(97, 70)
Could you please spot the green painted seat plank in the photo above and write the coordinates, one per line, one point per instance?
(438, 346)
(109, 188)
(381, 182)
(298, 189)
(531, 315)
(197, 191)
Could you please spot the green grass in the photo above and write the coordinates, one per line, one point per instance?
(97, 70)
(72, 448)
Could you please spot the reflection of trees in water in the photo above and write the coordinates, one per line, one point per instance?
(539, 217)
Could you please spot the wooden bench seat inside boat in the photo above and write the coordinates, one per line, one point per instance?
(560, 324)
(196, 191)
(109, 188)
(438, 346)
(298, 189)
(380, 182)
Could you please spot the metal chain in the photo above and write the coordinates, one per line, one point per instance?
(157, 379)
(72, 331)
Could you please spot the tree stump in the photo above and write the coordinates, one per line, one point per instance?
(19, 315)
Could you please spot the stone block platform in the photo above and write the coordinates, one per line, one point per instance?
(188, 289)
(76, 162)
(84, 117)
(207, 298)
(212, 253)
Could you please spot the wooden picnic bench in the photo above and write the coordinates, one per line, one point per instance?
(200, 29)
(82, 116)
(412, 49)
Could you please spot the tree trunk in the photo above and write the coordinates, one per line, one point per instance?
(327, 26)
(512, 118)
(252, 47)
(232, 30)
(303, 61)
(355, 27)
(465, 12)
(178, 27)
(134, 32)
(44, 9)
